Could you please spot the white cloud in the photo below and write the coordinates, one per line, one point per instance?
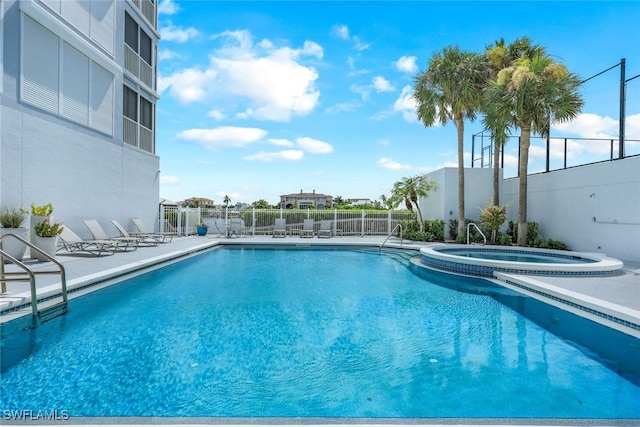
(188, 85)
(314, 146)
(172, 33)
(340, 31)
(164, 54)
(343, 106)
(388, 163)
(225, 136)
(382, 85)
(282, 142)
(168, 7)
(407, 64)
(290, 155)
(589, 126)
(169, 179)
(216, 115)
(268, 82)
(406, 105)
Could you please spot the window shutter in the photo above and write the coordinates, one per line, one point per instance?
(102, 23)
(77, 12)
(75, 85)
(40, 67)
(101, 99)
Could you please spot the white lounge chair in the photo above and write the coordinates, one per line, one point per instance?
(73, 243)
(124, 243)
(326, 228)
(280, 228)
(220, 224)
(236, 227)
(142, 240)
(143, 231)
(307, 228)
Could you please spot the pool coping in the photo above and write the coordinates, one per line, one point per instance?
(602, 264)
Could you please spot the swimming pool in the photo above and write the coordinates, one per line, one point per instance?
(314, 333)
(484, 261)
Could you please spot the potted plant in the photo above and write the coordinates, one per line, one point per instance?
(11, 220)
(46, 238)
(202, 228)
(38, 215)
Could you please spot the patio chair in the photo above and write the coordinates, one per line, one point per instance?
(280, 228)
(220, 224)
(307, 228)
(142, 240)
(236, 227)
(125, 243)
(144, 231)
(326, 228)
(71, 242)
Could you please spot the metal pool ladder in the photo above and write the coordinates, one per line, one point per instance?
(52, 309)
(479, 231)
(391, 234)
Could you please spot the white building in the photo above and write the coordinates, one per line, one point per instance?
(77, 108)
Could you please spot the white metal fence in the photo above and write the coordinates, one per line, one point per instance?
(183, 221)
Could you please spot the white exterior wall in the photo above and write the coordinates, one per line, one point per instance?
(443, 203)
(591, 208)
(46, 158)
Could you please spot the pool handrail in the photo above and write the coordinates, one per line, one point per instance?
(398, 225)
(479, 231)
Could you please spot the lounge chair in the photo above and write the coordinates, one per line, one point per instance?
(73, 243)
(326, 228)
(236, 226)
(220, 225)
(124, 243)
(142, 240)
(143, 231)
(307, 228)
(280, 228)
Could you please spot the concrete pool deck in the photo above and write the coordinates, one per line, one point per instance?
(617, 296)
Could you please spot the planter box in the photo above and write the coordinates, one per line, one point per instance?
(47, 245)
(12, 246)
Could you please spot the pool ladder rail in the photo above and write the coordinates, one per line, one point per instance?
(52, 310)
(479, 231)
(391, 234)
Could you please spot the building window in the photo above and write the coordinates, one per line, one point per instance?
(138, 120)
(60, 79)
(138, 52)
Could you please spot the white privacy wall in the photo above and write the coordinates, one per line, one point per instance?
(591, 208)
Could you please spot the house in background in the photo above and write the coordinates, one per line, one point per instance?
(304, 200)
(78, 106)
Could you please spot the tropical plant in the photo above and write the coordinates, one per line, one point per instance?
(409, 190)
(44, 210)
(261, 204)
(499, 56)
(451, 90)
(12, 217)
(226, 201)
(46, 229)
(530, 95)
(492, 218)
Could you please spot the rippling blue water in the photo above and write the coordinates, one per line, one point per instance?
(323, 333)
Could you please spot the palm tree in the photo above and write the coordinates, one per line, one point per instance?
(451, 90)
(530, 94)
(499, 56)
(409, 190)
(226, 200)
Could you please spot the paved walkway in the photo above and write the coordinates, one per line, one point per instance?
(617, 293)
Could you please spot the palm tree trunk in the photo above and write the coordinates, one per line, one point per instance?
(496, 175)
(460, 129)
(525, 141)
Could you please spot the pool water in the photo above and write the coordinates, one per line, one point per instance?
(516, 256)
(305, 333)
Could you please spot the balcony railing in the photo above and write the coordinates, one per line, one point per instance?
(137, 135)
(134, 64)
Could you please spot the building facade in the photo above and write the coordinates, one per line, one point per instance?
(77, 108)
(304, 200)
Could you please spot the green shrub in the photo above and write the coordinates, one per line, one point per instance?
(503, 239)
(12, 218)
(435, 227)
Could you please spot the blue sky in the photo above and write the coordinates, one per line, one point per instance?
(264, 98)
